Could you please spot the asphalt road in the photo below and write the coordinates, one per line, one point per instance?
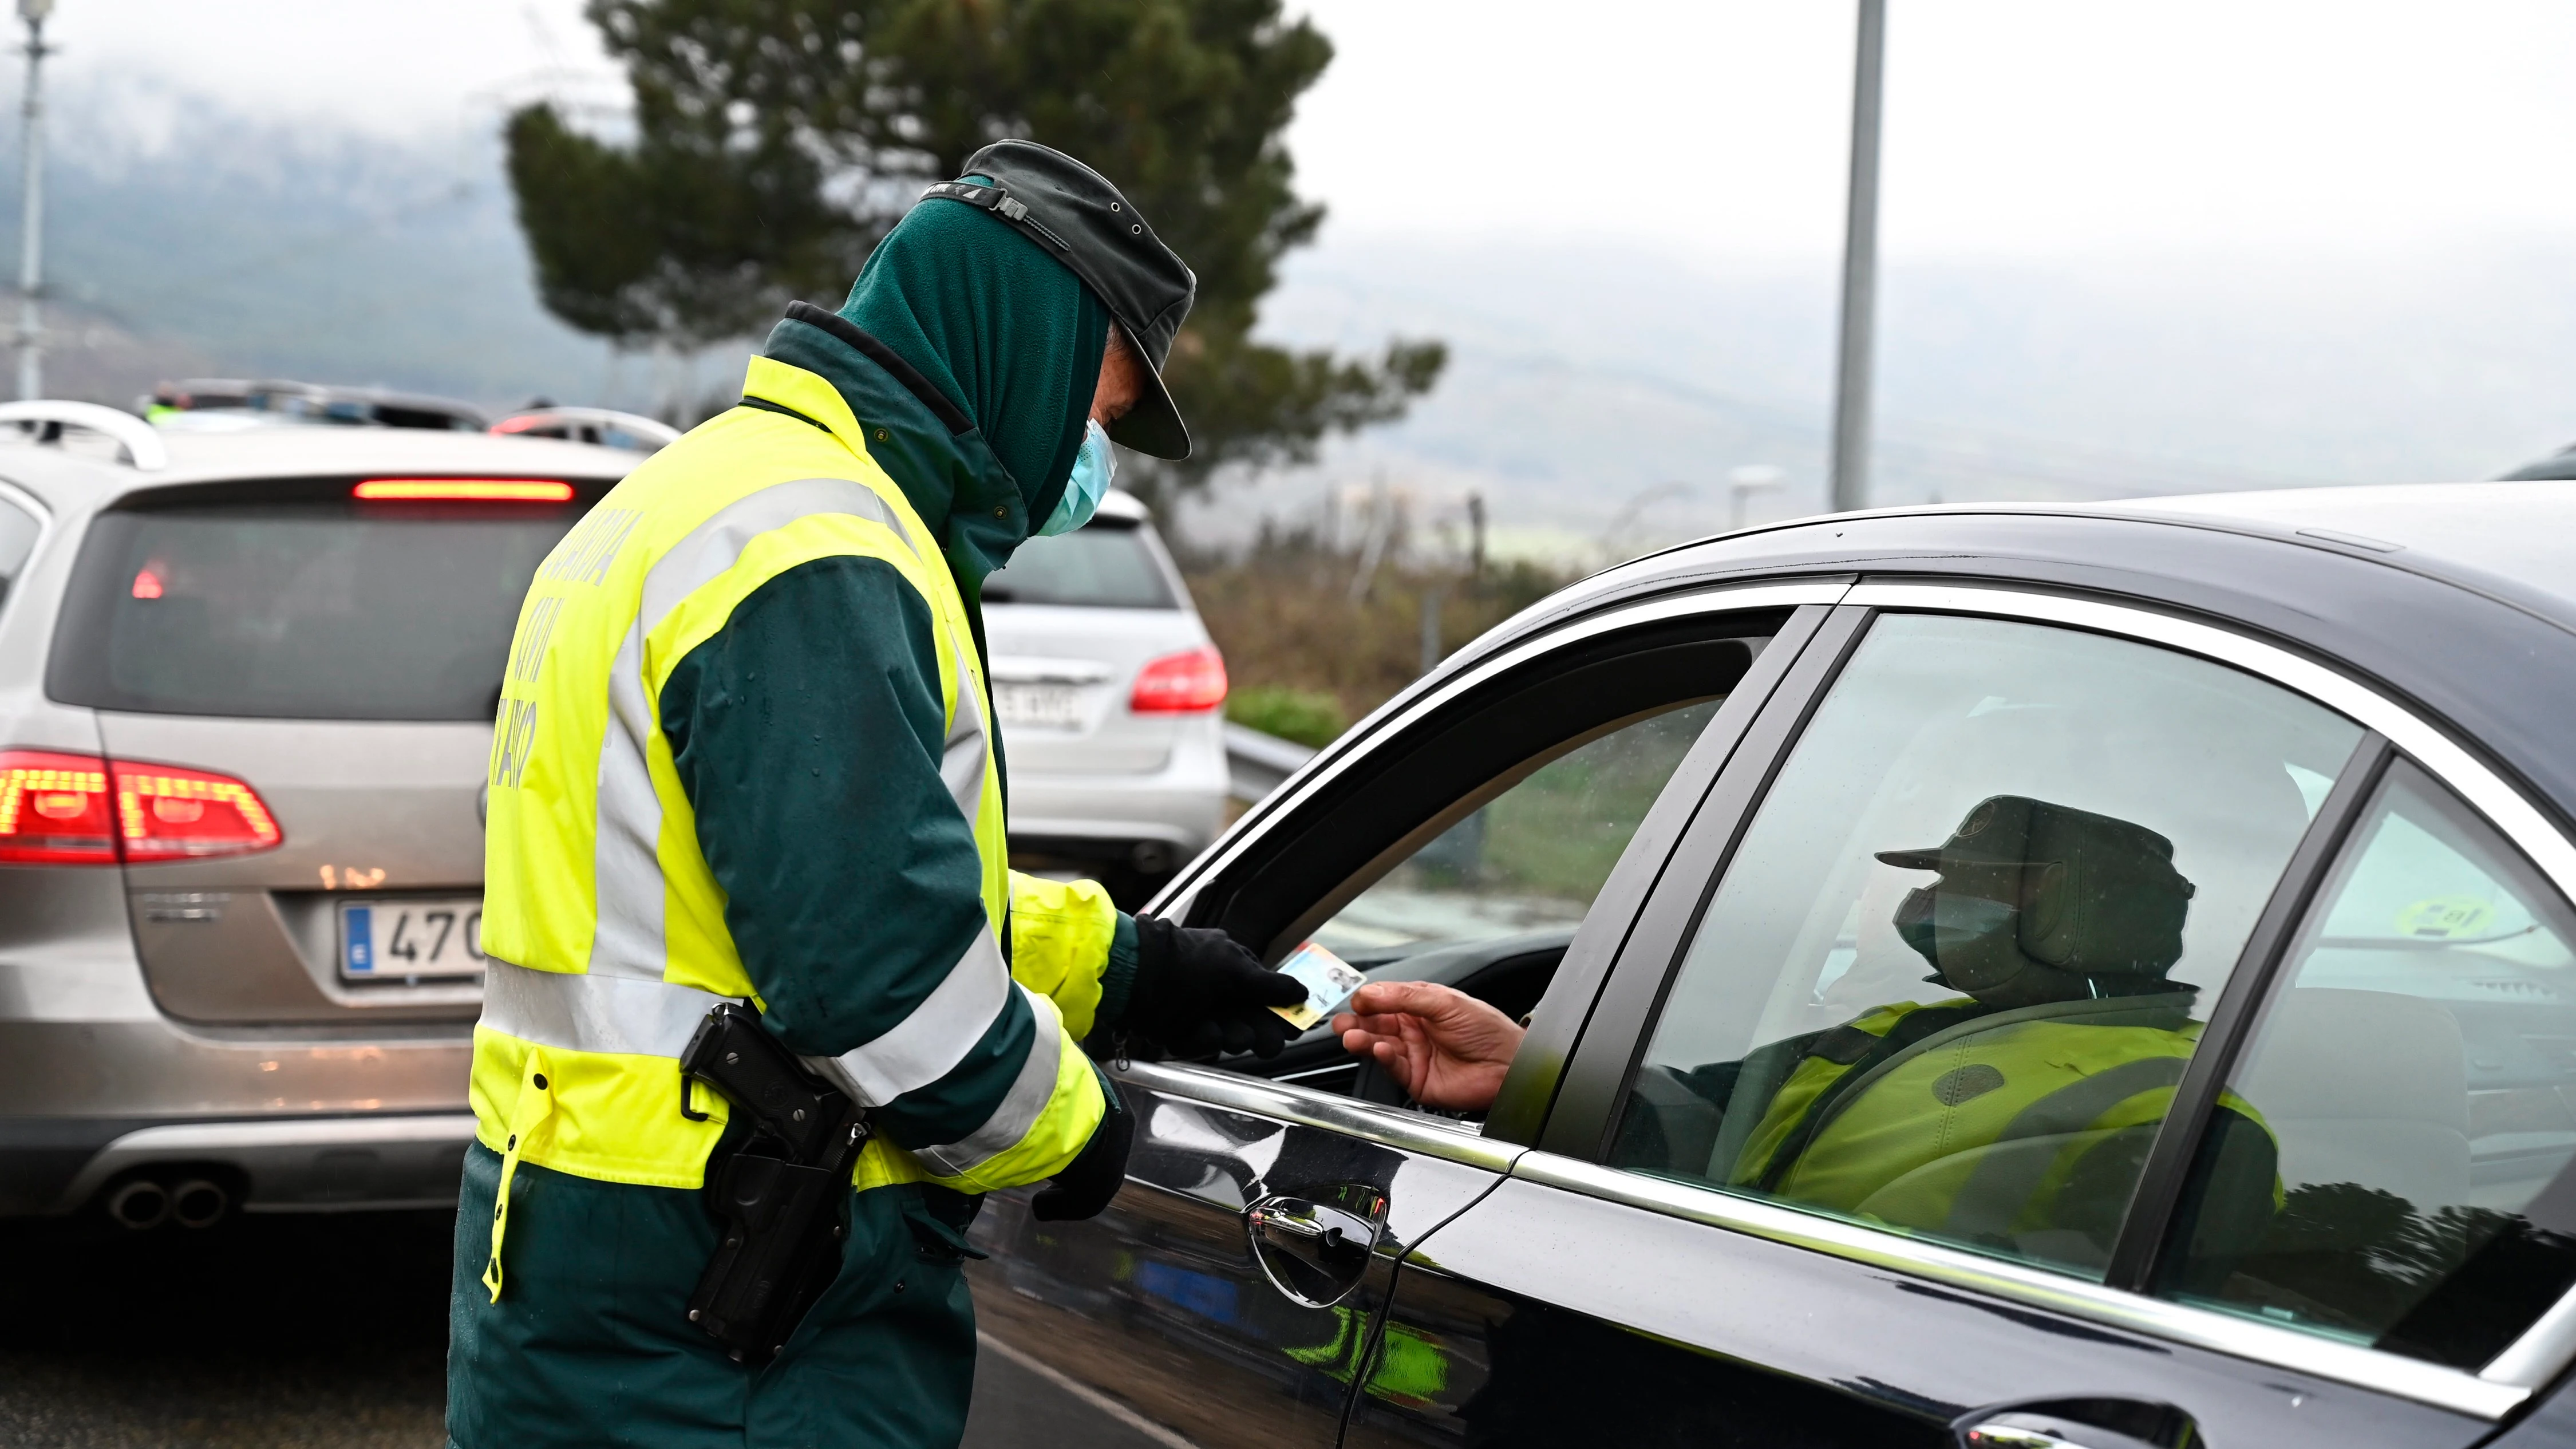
(306, 1333)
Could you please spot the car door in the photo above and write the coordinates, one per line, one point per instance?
(2254, 1182)
(1233, 1289)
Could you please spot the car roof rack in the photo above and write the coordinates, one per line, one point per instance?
(47, 417)
(576, 420)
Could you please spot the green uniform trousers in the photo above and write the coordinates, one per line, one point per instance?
(591, 1343)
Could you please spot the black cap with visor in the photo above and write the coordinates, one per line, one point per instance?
(1085, 223)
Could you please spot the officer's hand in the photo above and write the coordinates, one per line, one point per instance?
(1088, 1182)
(1446, 1048)
(1199, 991)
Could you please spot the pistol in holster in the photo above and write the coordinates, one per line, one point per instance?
(780, 1191)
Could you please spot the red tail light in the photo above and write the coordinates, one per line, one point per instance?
(1180, 683)
(55, 810)
(60, 809)
(166, 812)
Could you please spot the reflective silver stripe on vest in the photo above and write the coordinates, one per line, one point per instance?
(716, 544)
(962, 755)
(592, 1013)
(626, 863)
(626, 860)
(928, 1044)
(1021, 1107)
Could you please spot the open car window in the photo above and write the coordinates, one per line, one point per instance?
(1963, 954)
(1469, 844)
(1489, 904)
(1528, 861)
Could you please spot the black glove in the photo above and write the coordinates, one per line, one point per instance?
(1198, 991)
(1088, 1182)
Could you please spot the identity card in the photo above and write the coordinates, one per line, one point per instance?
(1329, 981)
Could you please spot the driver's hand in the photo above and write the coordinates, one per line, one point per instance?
(1448, 1049)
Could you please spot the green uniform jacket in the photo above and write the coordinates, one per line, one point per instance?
(762, 634)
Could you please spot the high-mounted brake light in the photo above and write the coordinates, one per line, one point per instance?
(464, 490)
(58, 809)
(1182, 683)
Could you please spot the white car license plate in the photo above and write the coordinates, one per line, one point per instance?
(397, 938)
(1048, 706)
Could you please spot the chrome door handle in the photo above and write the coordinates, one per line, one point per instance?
(2046, 1425)
(1315, 1252)
(1999, 1435)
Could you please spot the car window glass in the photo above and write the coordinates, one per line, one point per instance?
(1529, 860)
(17, 540)
(2414, 1081)
(1959, 960)
(302, 610)
(1102, 566)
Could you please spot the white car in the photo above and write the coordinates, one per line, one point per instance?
(1111, 698)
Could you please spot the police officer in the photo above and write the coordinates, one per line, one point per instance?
(746, 752)
(2014, 1115)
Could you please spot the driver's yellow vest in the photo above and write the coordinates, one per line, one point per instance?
(603, 925)
(1981, 1131)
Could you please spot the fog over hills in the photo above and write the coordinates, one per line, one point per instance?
(1583, 378)
(184, 239)
(1597, 397)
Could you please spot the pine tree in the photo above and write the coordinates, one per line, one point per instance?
(775, 141)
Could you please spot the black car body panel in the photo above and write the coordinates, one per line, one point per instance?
(1569, 1312)
(1554, 1297)
(1164, 1301)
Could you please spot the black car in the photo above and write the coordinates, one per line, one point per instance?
(2272, 792)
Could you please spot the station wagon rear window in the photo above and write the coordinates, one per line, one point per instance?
(1107, 565)
(318, 607)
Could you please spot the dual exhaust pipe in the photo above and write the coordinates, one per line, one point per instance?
(146, 1203)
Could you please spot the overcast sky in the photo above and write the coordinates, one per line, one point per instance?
(2016, 128)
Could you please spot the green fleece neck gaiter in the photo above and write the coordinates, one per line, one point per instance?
(1005, 331)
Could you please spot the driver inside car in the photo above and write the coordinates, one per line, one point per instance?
(2016, 1114)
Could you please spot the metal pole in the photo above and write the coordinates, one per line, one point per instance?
(1860, 266)
(31, 239)
(1432, 652)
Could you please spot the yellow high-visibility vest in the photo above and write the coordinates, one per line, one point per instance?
(603, 925)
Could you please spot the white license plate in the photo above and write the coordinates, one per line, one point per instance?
(1048, 706)
(393, 939)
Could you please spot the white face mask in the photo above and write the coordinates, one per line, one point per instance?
(1093, 466)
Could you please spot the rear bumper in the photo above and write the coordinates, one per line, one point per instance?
(1181, 805)
(308, 1121)
(319, 1164)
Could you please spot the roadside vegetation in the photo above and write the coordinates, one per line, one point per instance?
(1315, 637)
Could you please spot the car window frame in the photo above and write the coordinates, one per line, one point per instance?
(1572, 1140)
(1207, 887)
(18, 499)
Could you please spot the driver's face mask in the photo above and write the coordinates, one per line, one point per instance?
(2040, 902)
(1093, 468)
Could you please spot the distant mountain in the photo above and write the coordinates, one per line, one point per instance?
(1609, 389)
(225, 245)
(1598, 397)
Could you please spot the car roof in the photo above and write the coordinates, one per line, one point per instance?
(82, 475)
(2456, 599)
(2523, 533)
